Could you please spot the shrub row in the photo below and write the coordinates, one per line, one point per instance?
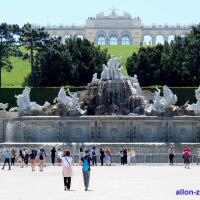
(40, 95)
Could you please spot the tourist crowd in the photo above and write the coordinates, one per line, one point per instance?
(87, 157)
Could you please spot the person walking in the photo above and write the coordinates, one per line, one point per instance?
(86, 162)
(67, 169)
(171, 155)
(186, 157)
(13, 155)
(108, 156)
(124, 156)
(121, 157)
(197, 156)
(32, 157)
(133, 156)
(7, 159)
(60, 155)
(81, 155)
(20, 158)
(94, 157)
(53, 155)
(41, 157)
(102, 156)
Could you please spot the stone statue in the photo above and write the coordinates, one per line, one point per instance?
(113, 64)
(36, 107)
(120, 72)
(169, 98)
(105, 73)
(23, 100)
(195, 106)
(94, 78)
(161, 104)
(3, 106)
(63, 98)
(75, 100)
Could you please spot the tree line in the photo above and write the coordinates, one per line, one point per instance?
(53, 63)
(174, 64)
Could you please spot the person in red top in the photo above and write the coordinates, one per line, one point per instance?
(186, 157)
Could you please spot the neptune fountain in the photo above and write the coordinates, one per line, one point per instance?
(113, 108)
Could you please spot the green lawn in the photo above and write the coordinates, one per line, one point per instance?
(122, 52)
(15, 78)
(21, 67)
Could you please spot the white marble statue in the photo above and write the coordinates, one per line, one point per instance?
(75, 100)
(168, 97)
(63, 98)
(75, 103)
(120, 72)
(105, 73)
(94, 78)
(160, 104)
(113, 64)
(3, 106)
(36, 107)
(23, 100)
(135, 83)
(195, 106)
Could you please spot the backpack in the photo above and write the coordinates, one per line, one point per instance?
(85, 165)
(41, 157)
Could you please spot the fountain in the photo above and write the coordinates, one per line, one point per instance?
(114, 109)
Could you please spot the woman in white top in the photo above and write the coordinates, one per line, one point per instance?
(67, 169)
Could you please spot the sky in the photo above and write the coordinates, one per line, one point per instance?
(68, 12)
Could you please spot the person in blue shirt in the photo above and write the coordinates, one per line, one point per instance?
(7, 156)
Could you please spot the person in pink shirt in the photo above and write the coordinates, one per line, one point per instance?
(67, 169)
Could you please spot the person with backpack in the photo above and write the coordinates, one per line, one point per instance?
(32, 157)
(94, 157)
(67, 169)
(86, 161)
(41, 158)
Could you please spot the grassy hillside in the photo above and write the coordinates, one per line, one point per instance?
(22, 67)
(122, 52)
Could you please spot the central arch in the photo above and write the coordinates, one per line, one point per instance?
(113, 39)
(160, 39)
(148, 40)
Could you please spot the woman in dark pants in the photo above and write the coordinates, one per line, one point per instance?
(53, 155)
(102, 155)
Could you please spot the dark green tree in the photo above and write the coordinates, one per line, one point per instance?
(7, 45)
(33, 39)
(73, 63)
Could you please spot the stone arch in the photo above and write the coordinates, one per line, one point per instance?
(125, 38)
(65, 37)
(113, 38)
(171, 38)
(54, 36)
(160, 39)
(101, 38)
(80, 36)
(148, 40)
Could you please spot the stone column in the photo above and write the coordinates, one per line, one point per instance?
(153, 40)
(3, 116)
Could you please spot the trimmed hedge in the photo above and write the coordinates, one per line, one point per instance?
(40, 95)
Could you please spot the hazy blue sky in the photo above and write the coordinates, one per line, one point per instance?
(72, 11)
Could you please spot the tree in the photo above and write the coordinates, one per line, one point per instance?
(73, 62)
(7, 45)
(33, 39)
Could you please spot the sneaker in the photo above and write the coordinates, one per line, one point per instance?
(65, 188)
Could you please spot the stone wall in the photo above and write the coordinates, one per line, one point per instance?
(116, 129)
